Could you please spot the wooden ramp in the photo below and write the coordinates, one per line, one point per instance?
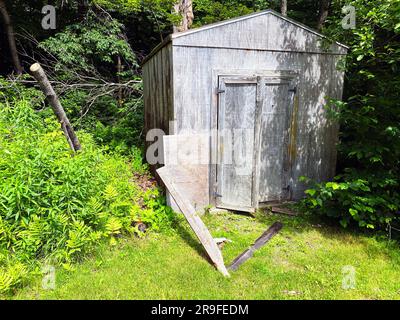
(177, 181)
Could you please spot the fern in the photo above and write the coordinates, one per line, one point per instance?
(110, 193)
(58, 207)
(113, 226)
(13, 275)
(6, 282)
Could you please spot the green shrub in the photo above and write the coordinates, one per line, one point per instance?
(57, 206)
(371, 201)
(367, 190)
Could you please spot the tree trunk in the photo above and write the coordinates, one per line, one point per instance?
(185, 9)
(41, 78)
(284, 7)
(323, 13)
(119, 70)
(83, 7)
(11, 37)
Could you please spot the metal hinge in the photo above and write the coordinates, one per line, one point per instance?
(217, 195)
(219, 91)
(294, 90)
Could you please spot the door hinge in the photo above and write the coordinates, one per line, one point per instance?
(294, 90)
(217, 195)
(219, 91)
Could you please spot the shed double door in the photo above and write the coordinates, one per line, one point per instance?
(252, 141)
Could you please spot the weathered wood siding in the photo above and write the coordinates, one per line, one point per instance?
(158, 91)
(262, 31)
(185, 90)
(314, 146)
(276, 109)
(236, 119)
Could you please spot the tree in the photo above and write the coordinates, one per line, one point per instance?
(284, 7)
(323, 13)
(184, 8)
(11, 37)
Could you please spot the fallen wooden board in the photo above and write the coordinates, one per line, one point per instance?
(279, 207)
(283, 210)
(261, 241)
(194, 220)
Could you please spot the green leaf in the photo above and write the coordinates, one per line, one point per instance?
(353, 212)
(311, 192)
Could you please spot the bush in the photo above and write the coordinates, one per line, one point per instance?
(372, 201)
(367, 189)
(55, 205)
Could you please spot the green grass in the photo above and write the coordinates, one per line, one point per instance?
(304, 261)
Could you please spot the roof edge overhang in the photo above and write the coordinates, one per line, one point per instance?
(161, 45)
(173, 36)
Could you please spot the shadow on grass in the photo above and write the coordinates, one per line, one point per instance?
(190, 238)
(303, 223)
(329, 228)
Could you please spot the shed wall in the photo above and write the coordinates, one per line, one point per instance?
(158, 91)
(181, 78)
(195, 99)
(265, 31)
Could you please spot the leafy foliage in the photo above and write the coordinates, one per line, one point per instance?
(57, 206)
(94, 42)
(104, 96)
(208, 11)
(367, 191)
(158, 10)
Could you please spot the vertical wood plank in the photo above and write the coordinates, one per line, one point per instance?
(236, 143)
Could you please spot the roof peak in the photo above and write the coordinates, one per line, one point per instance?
(245, 17)
(177, 35)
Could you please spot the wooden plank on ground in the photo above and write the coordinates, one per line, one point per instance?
(194, 220)
(283, 210)
(279, 207)
(261, 241)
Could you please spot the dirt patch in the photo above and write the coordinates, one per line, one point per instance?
(144, 181)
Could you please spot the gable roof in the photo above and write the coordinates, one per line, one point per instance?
(250, 16)
(216, 25)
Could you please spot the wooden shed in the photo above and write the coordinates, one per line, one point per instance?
(242, 107)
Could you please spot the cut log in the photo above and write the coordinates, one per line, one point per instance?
(261, 241)
(194, 221)
(40, 76)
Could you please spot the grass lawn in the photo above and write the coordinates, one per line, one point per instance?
(304, 261)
